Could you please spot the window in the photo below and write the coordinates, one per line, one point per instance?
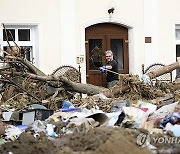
(117, 48)
(10, 35)
(177, 34)
(177, 41)
(23, 36)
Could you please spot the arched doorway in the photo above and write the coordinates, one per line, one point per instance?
(102, 37)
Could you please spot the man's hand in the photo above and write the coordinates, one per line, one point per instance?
(102, 69)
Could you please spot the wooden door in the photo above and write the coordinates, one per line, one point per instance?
(102, 37)
(96, 46)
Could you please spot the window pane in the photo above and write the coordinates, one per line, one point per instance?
(177, 34)
(177, 57)
(95, 53)
(13, 50)
(117, 48)
(26, 51)
(10, 34)
(24, 34)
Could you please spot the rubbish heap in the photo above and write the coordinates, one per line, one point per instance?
(46, 113)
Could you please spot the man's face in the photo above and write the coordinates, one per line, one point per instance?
(109, 57)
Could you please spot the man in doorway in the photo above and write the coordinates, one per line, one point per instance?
(111, 69)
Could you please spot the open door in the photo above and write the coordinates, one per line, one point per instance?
(102, 37)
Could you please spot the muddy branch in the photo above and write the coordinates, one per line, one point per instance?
(164, 70)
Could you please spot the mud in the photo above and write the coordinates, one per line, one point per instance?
(98, 140)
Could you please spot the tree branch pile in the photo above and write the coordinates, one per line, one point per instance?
(23, 84)
(20, 78)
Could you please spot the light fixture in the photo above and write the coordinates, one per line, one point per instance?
(111, 10)
(111, 6)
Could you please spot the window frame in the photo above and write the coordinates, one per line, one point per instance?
(33, 38)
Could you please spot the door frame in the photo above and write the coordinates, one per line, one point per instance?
(132, 36)
(106, 32)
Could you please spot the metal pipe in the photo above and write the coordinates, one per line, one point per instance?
(111, 71)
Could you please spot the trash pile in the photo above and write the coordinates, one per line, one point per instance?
(46, 113)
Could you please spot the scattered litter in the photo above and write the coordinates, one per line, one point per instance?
(171, 118)
(173, 128)
(163, 111)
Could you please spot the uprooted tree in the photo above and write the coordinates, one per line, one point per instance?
(19, 77)
(25, 84)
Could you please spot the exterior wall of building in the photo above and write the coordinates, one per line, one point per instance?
(131, 16)
(160, 20)
(46, 15)
(168, 17)
(61, 28)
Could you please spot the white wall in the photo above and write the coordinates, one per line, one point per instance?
(151, 54)
(68, 33)
(62, 23)
(45, 14)
(160, 19)
(92, 12)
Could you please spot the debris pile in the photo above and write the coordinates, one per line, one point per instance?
(46, 113)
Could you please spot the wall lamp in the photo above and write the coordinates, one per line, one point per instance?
(111, 10)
